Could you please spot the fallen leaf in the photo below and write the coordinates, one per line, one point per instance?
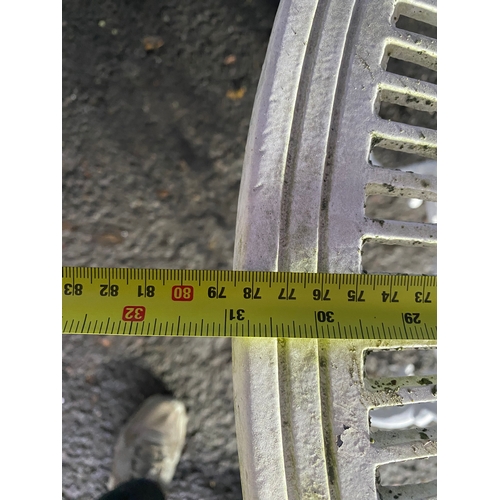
(109, 238)
(235, 95)
(152, 43)
(230, 59)
(162, 194)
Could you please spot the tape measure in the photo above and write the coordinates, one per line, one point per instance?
(194, 303)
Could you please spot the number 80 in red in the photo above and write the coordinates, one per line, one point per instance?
(182, 292)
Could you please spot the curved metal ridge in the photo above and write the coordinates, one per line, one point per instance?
(302, 405)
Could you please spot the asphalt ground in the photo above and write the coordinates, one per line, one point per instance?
(157, 99)
(154, 131)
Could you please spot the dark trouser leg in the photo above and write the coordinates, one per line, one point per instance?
(136, 489)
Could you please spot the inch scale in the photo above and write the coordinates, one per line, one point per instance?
(195, 303)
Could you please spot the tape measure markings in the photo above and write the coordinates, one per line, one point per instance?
(248, 303)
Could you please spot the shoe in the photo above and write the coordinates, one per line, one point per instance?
(151, 442)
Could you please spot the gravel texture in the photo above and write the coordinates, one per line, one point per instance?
(157, 98)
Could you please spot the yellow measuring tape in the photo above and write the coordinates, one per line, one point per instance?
(193, 303)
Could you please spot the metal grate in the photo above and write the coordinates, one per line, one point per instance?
(302, 407)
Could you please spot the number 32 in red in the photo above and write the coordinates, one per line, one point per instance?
(134, 313)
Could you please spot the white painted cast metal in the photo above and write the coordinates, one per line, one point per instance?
(302, 405)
